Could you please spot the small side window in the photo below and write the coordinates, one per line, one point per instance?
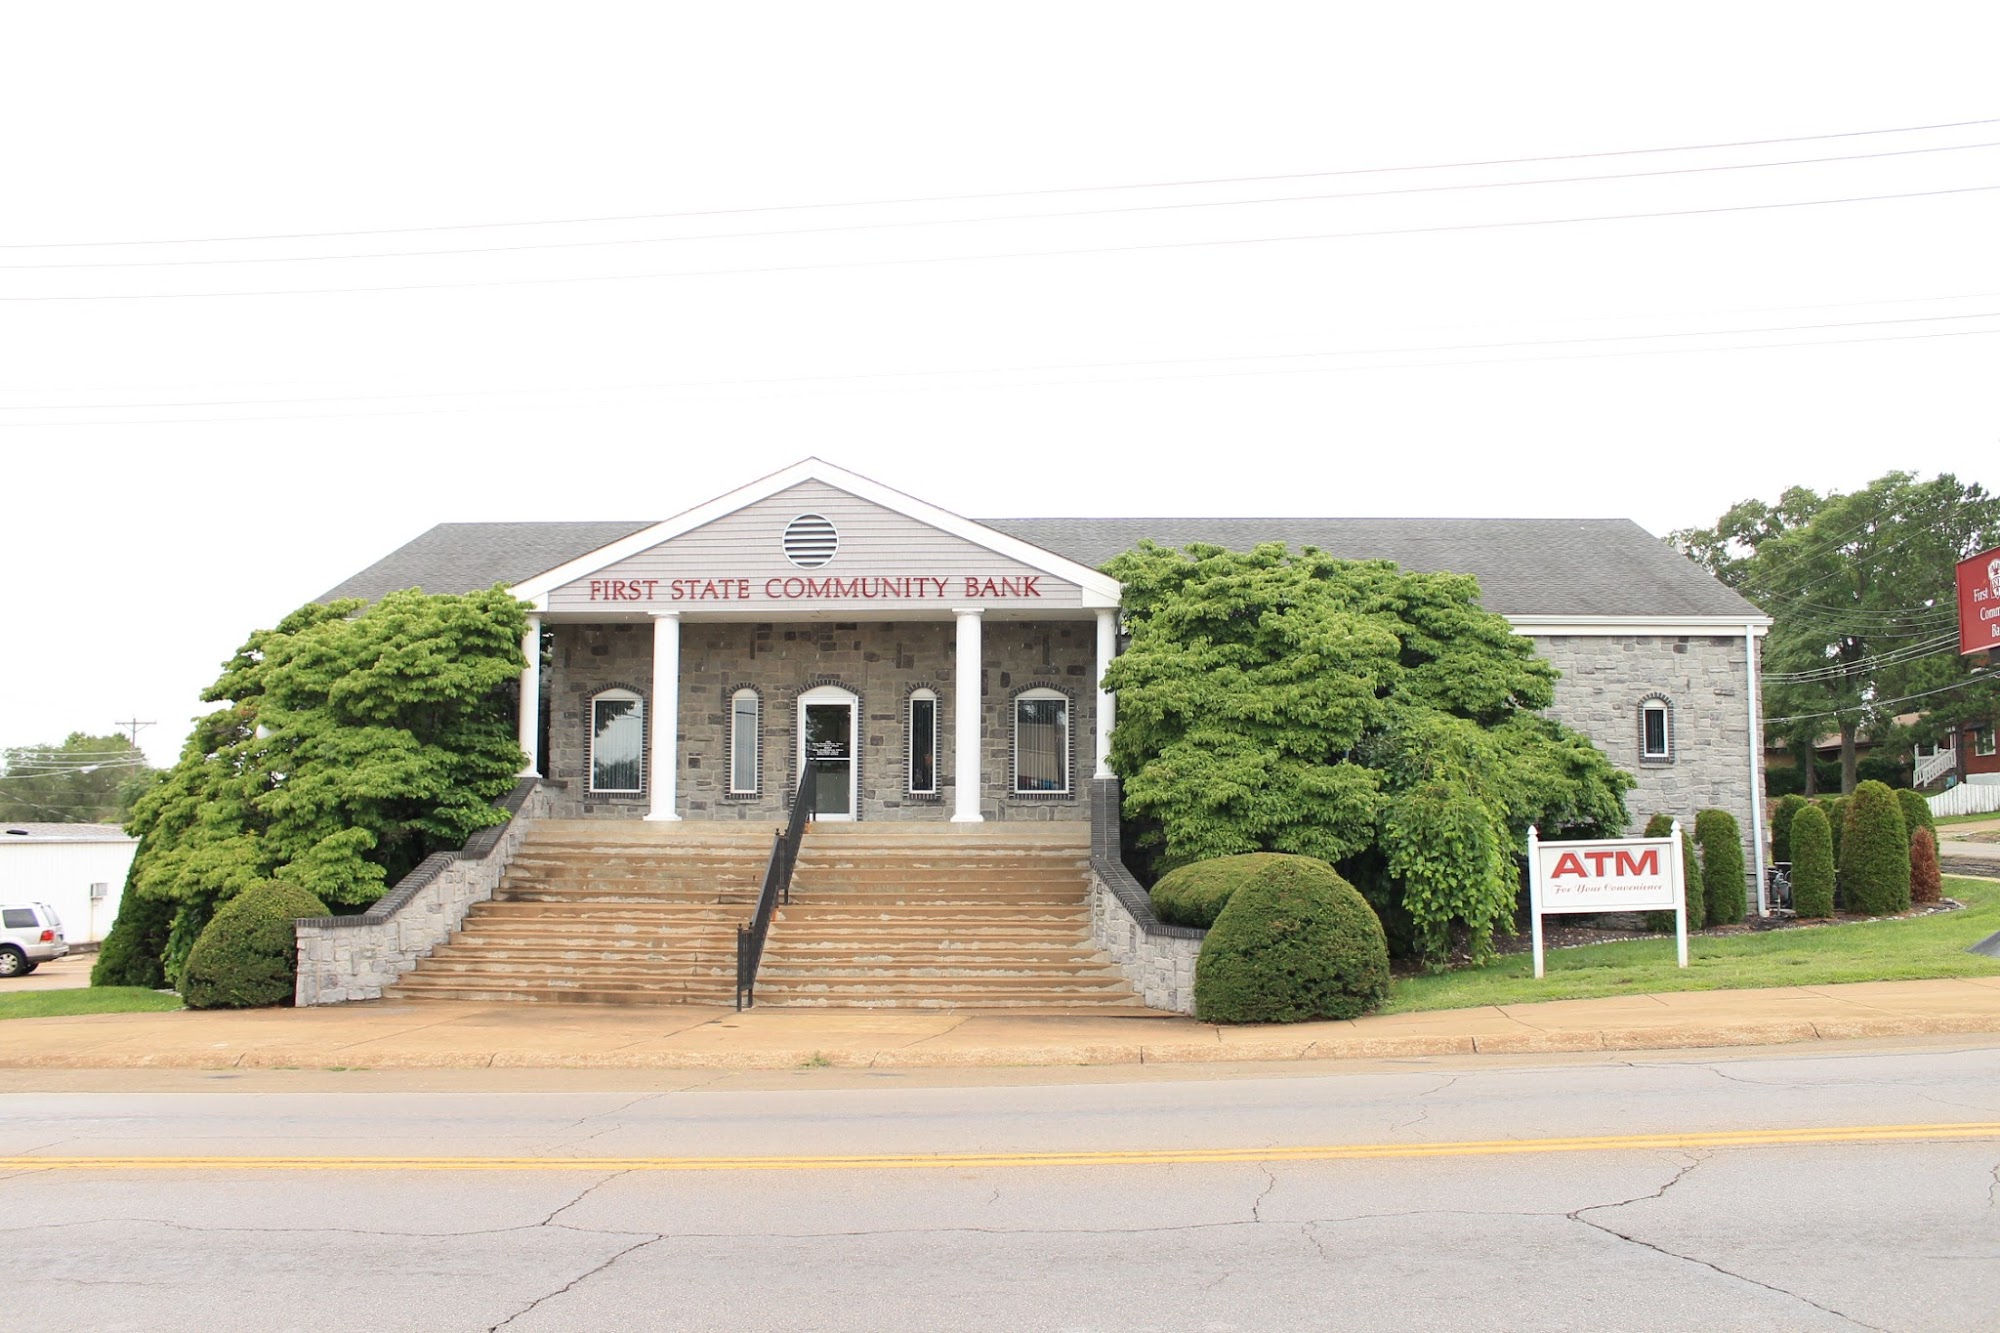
(1656, 731)
(1982, 741)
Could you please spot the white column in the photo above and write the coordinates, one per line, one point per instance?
(1107, 703)
(666, 712)
(1756, 766)
(531, 697)
(967, 711)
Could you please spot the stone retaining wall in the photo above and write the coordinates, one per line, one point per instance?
(1158, 959)
(344, 958)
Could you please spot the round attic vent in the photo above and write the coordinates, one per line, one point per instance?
(810, 541)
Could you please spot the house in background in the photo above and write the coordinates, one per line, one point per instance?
(1968, 753)
(78, 869)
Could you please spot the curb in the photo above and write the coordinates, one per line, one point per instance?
(1276, 1049)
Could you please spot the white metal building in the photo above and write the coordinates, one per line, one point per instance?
(78, 869)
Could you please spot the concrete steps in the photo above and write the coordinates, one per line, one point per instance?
(992, 918)
(883, 916)
(593, 913)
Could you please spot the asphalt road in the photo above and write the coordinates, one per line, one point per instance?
(1440, 1193)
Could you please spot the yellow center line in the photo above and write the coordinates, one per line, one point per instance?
(1336, 1152)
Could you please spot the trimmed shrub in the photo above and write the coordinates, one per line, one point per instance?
(1926, 884)
(1812, 863)
(1295, 943)
(1875, 852)
(1195, 894)
(130, 954)
(1662, 923)
(247, 956)
(1836, 818)
(1781, 826)
(1916, 813)
(1722, 884)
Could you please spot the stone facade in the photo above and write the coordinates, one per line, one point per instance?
(1607, 679)
(1158, 959)
(345, 958)
(880, 662)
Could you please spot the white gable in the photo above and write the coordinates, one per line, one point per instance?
(891, 554)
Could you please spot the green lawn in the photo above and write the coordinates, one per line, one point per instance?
(85, 1000)
(1931, 946)
(1943, 820)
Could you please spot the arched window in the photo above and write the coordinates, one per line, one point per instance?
(617, 741)
(745, 710)
(1041, 742)
(923, 734)
(1656, 730)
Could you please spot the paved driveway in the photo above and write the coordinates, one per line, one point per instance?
(68, 973)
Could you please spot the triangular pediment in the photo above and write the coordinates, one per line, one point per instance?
(815, 538)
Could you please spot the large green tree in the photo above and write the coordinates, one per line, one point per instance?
(353, 743)
(1860, 591)
(1348, 710)
(84, 780)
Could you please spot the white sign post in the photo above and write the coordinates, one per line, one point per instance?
(1608, 875)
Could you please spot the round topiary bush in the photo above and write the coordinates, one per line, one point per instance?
(1875, 852)
(1722, 884)
(247, 956)
(1195, 895)
(1812, 863)
(1781, 826)
(1295, 943)
(1926, 883)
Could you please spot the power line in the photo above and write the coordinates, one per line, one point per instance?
(1017, 370)
(983, 218)
(1881, 703)
(1124, 379)
(1864, 665)
(1015, 194)
(1073, 252)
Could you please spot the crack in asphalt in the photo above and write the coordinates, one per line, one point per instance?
(1270, 1183)
(1445, 1083)
(578, 1280)
(1679, 1176)
(581, 1197)
(1993, 1190)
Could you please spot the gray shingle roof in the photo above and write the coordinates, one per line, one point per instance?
(1525, 566)
(464, 557)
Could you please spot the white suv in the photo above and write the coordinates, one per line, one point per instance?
(30, 934)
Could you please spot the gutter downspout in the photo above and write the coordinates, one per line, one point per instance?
(1756, 766)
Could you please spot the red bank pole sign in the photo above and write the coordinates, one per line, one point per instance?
(1979, 602)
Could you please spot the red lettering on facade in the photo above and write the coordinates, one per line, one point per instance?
(1567, 864)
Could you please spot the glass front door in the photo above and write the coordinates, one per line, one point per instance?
(828, 747)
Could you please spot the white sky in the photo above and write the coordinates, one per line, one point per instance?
(179, 471)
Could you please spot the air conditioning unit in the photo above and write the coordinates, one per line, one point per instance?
(99, 891)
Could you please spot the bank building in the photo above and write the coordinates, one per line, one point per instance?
(928, 685)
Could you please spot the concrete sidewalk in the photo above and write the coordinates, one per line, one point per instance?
(459, 1035)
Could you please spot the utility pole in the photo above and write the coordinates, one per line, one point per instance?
(132, 725)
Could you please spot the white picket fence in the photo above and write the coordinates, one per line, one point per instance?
(1967, 798)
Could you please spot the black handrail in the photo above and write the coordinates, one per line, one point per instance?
(777, 889)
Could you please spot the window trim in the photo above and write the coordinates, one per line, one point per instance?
(1985, 742)
(756, 741)
(922, 694)
(616, 693)
(1067, 749)
(1661, 704)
